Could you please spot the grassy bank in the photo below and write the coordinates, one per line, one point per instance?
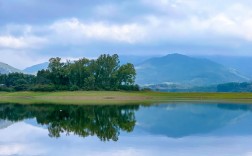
(105, 97)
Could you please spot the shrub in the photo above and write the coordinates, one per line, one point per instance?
(129, 87)
(43, 88)
(74, 88)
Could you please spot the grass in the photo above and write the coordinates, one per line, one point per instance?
(110, 97)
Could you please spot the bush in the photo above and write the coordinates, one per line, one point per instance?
(21, 87)
(6, 89)
(43, 88)
(129, 87)
(235, 87)
(62, 88)
(146, 89)
(74, 88)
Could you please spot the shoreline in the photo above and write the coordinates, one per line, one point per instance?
(120, 98)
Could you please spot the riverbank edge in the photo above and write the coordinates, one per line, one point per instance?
(121, 98)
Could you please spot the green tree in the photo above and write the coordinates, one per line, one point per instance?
(127, 74)
(58, 72)
(43, 77)
(78, 72)
(106, 71)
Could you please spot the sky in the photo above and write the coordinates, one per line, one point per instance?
(32, 31)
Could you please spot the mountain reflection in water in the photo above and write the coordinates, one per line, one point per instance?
(181, 129)
(106, 122)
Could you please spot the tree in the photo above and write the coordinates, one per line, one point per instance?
(43, 77)
(78, 72)
(106, 71)
(58, 73)
(127, 74)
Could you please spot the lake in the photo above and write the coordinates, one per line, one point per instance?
(181, 129)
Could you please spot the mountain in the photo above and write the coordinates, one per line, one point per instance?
(185, 119)
(5, 123)
(241, 63)
(5, 69)
(134, 59)
(34, 69)
(181, 69)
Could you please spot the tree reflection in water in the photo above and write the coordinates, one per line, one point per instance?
(105, 122)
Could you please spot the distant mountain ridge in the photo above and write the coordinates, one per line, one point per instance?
(5, 69)
(35, 68)
(175, 69)
(181, 69)
(241, 63)
(5, 123)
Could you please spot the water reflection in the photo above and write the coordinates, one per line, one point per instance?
(181, 120)
(181, 129)
(105, 122)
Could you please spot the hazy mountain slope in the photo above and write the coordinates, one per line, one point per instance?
(176, 68)
(5, 69)
(183, 120)
(5, 123)
(34, 69)
(241, 63)
(133, 59)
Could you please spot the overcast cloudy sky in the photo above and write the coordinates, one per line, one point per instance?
(31, 31)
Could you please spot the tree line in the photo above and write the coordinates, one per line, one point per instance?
(103, 73)
(235, 87)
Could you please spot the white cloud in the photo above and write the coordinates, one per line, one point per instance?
(179, 22)
(11, 149)
(202, 19)
(200, 22)
(74, 29)
(23, 42)
(11, 42)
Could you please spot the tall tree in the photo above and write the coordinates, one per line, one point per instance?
(127, 74)
(43, 77)
(78, 72)
(106, 71)
(58, 73)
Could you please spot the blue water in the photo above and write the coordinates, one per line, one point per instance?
(178, 129)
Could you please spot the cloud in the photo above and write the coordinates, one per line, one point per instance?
(11, 149)
(77, 28)
(79, 32)
(23, 42)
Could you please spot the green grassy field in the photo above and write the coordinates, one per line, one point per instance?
(107, 97)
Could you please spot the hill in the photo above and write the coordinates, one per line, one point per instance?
(5, 123)
(241, 63)
(34, 69)
(181, 69)
(5, 69)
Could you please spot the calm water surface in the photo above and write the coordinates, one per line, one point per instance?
(182, 129)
